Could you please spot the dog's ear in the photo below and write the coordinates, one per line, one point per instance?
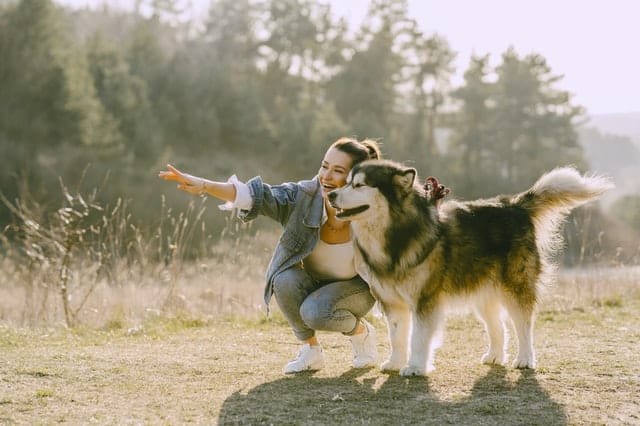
(405, 178)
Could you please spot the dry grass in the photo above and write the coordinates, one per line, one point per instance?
(87, 264)
(111, 285)
(229, 372)
(177, 341)
(206, 289)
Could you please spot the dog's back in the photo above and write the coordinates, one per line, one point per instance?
(488, 241)
(511, 239)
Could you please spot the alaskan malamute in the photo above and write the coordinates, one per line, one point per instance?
(421, 259)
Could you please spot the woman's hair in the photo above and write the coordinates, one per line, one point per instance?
(359, 151)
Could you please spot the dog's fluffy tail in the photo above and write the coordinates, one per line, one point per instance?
(553, 197)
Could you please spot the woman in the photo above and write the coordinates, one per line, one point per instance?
(312, 272)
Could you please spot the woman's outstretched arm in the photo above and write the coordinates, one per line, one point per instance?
(195, 185)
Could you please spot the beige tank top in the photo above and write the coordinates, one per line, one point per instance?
(331, 262)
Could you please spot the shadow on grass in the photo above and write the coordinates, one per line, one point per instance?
(305, 399)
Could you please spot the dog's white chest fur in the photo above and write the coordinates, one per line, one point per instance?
(402, 292)
(372, 238)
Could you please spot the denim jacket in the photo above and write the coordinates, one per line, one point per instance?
(299, 209)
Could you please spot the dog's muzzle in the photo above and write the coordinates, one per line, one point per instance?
(343, 213)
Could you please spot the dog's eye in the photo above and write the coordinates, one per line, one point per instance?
(357, 185)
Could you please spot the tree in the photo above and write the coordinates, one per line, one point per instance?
(429, 67)
(124, 96)
(299, 43)
(49, 112)
(296, 33)
(48, 94)
(533, 125)
(226, 77)
(627, 209)
(365, 89)
(472, 137)
(610, 153)
(230, 35)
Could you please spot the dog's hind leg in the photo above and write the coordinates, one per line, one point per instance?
(425, 339)
(522, 315)
(489, 312)
(398, 323)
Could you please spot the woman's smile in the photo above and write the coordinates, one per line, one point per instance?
(334, 170)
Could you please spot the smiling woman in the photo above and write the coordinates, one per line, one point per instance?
(312, 272)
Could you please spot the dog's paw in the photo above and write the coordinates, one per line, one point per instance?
(390, 365)
(491, 358)
(523, 363)
(412, 370)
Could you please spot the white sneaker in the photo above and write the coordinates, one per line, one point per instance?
(365, 352)
(309, 358)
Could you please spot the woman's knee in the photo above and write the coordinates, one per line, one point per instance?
(314, 313)
(292, 286)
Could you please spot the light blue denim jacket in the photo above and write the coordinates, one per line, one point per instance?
(299, 209)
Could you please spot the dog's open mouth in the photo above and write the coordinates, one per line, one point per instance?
(342, 213)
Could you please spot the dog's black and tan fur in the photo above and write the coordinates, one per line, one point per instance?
(421, 259)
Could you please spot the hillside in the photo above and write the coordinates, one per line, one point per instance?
(612, 146)
(624, 124)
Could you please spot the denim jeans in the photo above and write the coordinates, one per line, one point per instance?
(310, 305)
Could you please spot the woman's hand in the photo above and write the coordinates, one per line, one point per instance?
(191, 184)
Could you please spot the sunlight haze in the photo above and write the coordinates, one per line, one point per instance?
(592, 44)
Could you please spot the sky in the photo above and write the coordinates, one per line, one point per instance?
(593, 44)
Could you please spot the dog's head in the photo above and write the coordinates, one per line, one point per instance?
(372, 187)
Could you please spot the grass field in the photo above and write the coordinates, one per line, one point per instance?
(107, 321)
(181, 370)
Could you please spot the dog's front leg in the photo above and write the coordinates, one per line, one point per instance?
(425, 338)
(398, 321)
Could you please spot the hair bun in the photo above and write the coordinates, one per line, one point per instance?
(373, 149)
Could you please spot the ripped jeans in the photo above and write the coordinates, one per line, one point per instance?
(310, 305)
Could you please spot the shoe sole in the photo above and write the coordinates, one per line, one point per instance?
(310, 368)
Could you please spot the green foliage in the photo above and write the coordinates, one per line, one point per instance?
(124, 96)
(609, 152)
(428, 72)
(262, 87)
(48, 95)
(515, 128)
(627, 209)
(49, 110)
(534, 119)
(473, 138)
(364, 90)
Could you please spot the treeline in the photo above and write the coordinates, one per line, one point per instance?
(260, 87)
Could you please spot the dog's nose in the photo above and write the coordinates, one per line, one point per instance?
(332, 196)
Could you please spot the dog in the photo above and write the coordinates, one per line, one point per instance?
(422, 257)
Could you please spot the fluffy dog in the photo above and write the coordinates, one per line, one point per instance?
(421, 259)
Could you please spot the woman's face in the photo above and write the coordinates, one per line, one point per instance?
(333, 170)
